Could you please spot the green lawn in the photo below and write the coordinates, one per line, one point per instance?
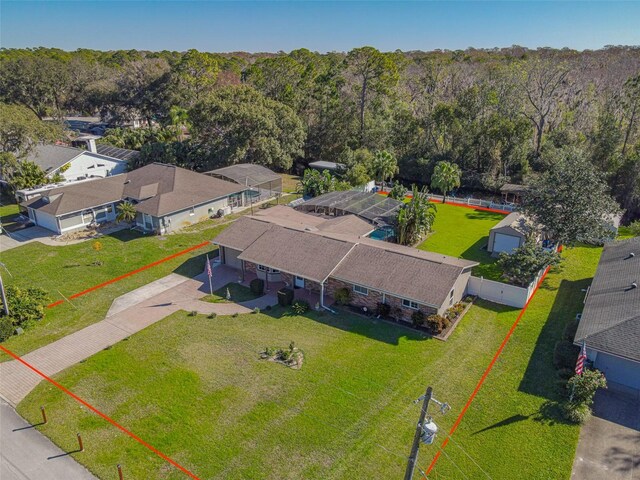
(208, 401)
(289, 182)
(65, 270)
(462, 232)
(238, 293)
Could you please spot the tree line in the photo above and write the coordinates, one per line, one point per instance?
(499, 115)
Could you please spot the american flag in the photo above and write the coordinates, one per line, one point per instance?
(209, 271)
(581, 359)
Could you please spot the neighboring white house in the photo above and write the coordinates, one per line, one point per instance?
(70, 164)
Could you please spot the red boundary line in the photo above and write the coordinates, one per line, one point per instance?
(132, 272)
(484, 375)
(104, 416)
(458, 204)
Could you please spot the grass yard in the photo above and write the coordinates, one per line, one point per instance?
(66, 270)
(464, 233)
(206, 400)
(238, 293)
(289, 183)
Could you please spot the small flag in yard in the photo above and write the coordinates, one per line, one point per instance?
(581, 359)
(209, 271)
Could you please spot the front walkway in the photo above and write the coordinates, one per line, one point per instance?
(129, 314)
(609, 445)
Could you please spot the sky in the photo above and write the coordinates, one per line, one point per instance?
(267, 26)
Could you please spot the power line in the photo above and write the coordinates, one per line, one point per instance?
(454, 464)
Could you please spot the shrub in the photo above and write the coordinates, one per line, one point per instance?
(300, 307)
(522, 265)
(576, 413)
(565, 354)
(437, 323)
(26, 304)
(193, 313)
(383, 309)
(257, 286)
(453, 312)
(6, 328)
(417, 318)
(342, 296)
(256, 310)
(212, 315)
(285, 297)
(235, 315)
(570, 330)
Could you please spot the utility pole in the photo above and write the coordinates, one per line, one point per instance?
(413, 457)
(3, 295)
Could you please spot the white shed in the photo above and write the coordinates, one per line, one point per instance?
(508, 234)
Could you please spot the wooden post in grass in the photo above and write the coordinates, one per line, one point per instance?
(120, 472)
(44, 415)
(80, 446)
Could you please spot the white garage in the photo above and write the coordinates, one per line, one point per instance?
(508, 234)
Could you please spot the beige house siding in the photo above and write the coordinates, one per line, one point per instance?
(190, 216)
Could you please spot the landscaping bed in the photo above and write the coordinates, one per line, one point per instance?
(232, 292)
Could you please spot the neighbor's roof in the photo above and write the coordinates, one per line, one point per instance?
(51, 157)
(248, 174)
(157, 188)
(515, 221)
(610, 320)
(321, 164)
(513, 188)
(302, 253)
(116, 152)
(371, 206)
(314, 251)
(399, 274)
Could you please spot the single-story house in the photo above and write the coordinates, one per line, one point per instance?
(610, 321)
(322, 255)
(509, 233)
(165, 197)
(262, 182)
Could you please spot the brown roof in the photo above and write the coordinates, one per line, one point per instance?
(301, 253)
(79, 196)
(313, 253)
(406, 276)
(157, 188)
(288, 217)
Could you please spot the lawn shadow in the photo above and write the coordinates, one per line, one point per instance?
(373, 328)
(194, 266)
(550, 413)
(537, 378)
(484, 215)
(126, 235)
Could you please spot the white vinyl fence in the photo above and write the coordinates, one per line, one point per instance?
(476, 202)
(502, 293)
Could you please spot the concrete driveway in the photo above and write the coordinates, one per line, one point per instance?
(609, 445)
(25, 454)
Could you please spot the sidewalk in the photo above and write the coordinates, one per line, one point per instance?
(129, 314)
(26, 454)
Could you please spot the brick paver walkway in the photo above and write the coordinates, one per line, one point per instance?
(147, 306)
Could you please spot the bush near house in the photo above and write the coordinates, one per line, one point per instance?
(417, 318)
(581, 389)
(383, 309)
(257, 286)
(285, 297)
(342, 296)
(300, 307)
(6, 328)
(437, 324)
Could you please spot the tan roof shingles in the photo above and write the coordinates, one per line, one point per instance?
(406, 276)
(305, 254)
(241, 233)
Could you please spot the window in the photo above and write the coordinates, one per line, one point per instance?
(360, 290)
(262, 268)
(410, 304)
(451, 294)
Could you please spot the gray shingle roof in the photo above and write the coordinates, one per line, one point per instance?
(51, 157)
(610, 320)
(515, 222)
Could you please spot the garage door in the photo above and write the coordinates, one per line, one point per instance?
(45, 220)
(505, 243)
(231, 258)
(619, 370)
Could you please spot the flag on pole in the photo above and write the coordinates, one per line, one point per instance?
(581, 359)
(210, 275)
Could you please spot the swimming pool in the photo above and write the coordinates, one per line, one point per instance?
(382, 234)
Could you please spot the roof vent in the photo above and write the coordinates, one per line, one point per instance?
(632, 254)
(634, 285)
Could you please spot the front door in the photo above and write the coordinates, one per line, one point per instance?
(298, 282)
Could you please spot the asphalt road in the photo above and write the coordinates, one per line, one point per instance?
(26, 454)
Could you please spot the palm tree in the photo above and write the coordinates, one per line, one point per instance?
(446, 176)
(126, 212)
(384, 166)
(415, 218)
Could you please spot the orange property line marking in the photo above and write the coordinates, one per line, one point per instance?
(484, 375)
(129, 274)
(98, 412)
